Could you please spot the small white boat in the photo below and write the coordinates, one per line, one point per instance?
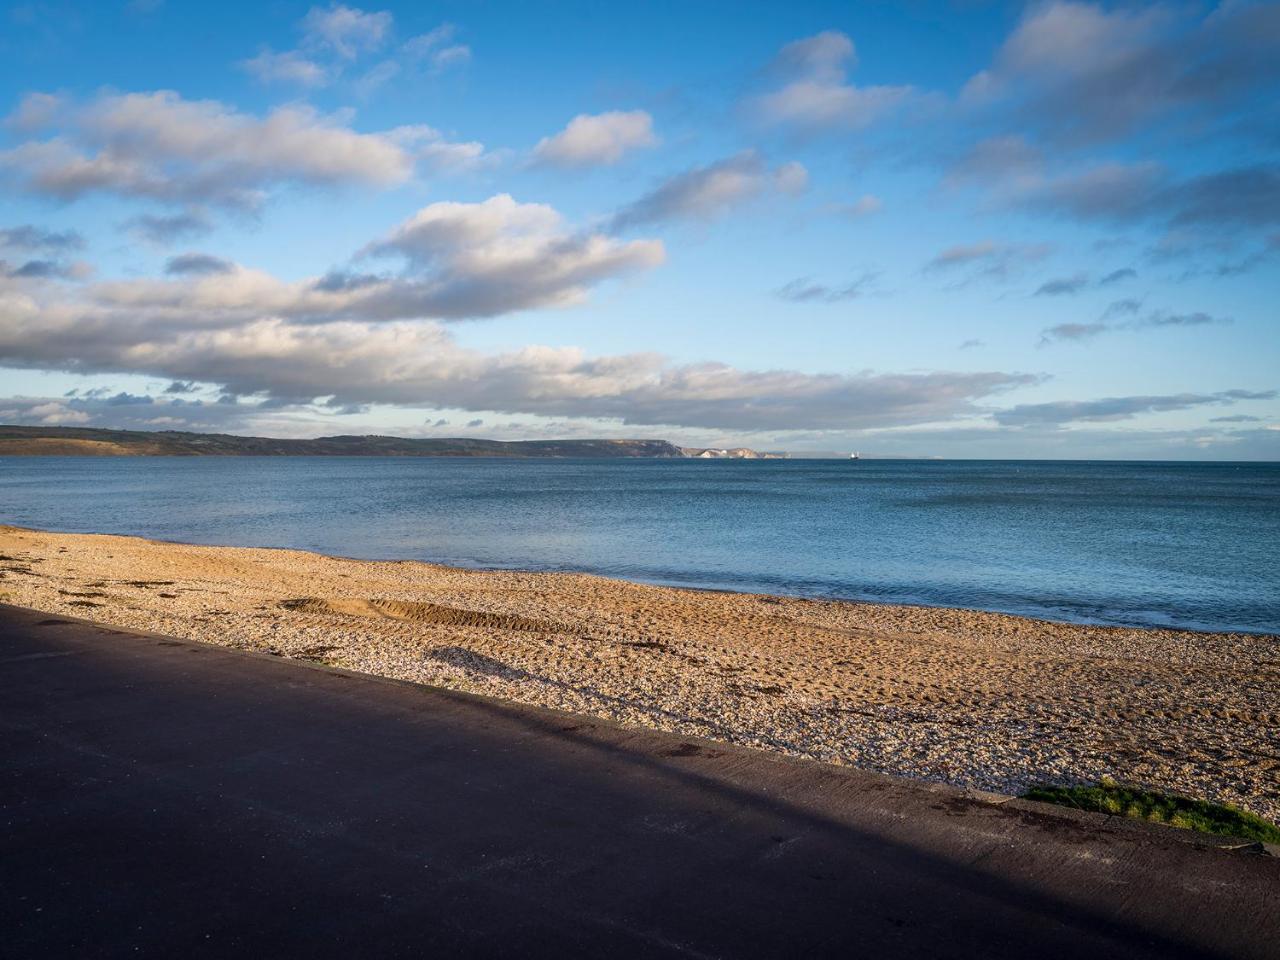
(854, 456)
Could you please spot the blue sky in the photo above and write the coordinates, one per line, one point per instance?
(1047, 230)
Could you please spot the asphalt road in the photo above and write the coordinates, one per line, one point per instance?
(171, 799)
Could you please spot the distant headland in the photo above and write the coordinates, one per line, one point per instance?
(89, 441)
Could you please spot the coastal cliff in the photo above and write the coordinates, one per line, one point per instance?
(88, 441)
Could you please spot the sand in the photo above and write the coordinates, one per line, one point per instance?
(979, 700)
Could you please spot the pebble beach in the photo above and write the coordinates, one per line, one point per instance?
(980, 700)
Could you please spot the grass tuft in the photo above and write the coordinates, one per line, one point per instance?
(1110, 797)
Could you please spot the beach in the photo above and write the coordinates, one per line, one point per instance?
(981, 700)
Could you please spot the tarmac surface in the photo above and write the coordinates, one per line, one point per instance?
(166, 798)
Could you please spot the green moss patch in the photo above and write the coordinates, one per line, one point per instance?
(1110, 797)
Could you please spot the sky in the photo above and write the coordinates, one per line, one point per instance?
(969, 229)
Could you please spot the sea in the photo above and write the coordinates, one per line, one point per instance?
(1192, 545)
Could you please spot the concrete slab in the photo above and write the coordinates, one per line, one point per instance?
(166, 798)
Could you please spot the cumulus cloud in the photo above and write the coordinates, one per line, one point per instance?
(45, 270)
(421, 365)
(164, 229)
(828, 55)
(454, 261)
(163, 147)
(994, 159)
(248, 334)
(31, 238)
(188, 264)
(166, 411)
(1118, 408)
(36, 111)
(436, 153)
(1104, 191)
(706, 193)
(49, 413)
(597, 140)
(346, 31)
(816, 95)
(480, 259)
(1245, 197)
(1080, 72)
(987, 259)
(290, 66)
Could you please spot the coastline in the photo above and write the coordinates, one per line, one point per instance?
(1053, 615)
(983, 700)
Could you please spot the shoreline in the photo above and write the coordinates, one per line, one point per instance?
(673, 583)
(989, 701)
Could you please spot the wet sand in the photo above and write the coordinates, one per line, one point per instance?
(981, 700)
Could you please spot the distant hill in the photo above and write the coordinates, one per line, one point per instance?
(87, 441)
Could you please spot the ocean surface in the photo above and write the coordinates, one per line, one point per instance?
(1191, 545)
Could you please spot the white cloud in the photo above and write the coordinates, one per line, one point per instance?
(1014, 174)
(350, 339)
(1082, 72)
(1119, 408)
(1064, 39)
(377, 76)
(987, 259)
(187, 264)
(459, 261)
(164, 229)
(485, 258)
(705, 193)
(35, 112)
(42, 271)
(865, 206)
(347, 31)
(597, 140)
(828, 55)
(454, 56)
(420, 365)
(806, 290)
(290, 66)
(30, 237)
(438, 154)
(1116, 191)
(435, 50)
(56, 413)
(1155, 320)
(336, 38)
(425, 43)
(161, 146)
(818, 96)
(813, 105)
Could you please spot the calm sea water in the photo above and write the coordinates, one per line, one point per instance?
(1195, 545)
